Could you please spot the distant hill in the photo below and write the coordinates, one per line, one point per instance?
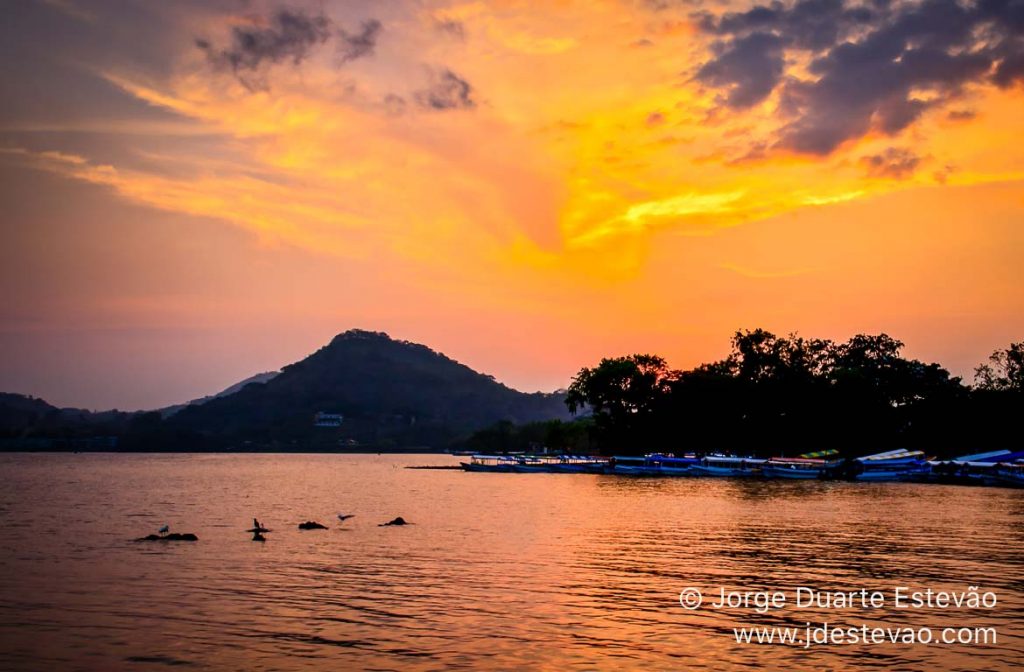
(388, 392)
(168, 411)
(29, 423)
(18, 411)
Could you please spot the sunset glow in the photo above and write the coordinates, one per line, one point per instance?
(195, 192)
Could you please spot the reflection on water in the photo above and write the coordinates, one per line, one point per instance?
(499, 571)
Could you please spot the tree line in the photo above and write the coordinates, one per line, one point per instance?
(785, 395)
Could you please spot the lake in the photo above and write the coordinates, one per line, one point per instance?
(496, 571)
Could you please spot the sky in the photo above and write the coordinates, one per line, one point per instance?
(194, 192)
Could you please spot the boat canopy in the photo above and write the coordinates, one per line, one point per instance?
(893, 456)
(806, 461)
(993, 456)
(729, 459)
(1008, 457)
(821, 453)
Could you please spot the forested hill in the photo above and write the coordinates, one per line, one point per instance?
(388, 392)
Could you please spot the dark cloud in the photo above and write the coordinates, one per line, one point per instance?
(749, 67)
(961, 115)
(357, 45)
(289, 36)
(394, 104)
(808, 24)
(868, 61)
(895, 163)
(451, 28)
(447, 92)
(662, 5)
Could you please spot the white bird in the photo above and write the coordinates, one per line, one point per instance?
(342, 517)
(165, 529)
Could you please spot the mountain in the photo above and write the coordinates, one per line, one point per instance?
(18, 411)
(168, 411)
(388, 393)
(29, 423)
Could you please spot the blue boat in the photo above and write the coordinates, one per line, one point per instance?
(820, 464)
(975, 469)
(728, 466)
(654, 464)
(1011, 473)
(892, 465)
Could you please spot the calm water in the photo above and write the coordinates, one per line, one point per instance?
(498, 571)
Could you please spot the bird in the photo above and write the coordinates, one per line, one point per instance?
(165, 529)
(343, 517)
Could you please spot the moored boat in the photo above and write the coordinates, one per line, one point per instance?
(653, 464)
(1011, 473)
(728, 466)
(892, 465)
(490, 463)
(793, 468)
(531, 464)
(975, 469)
(820, 464)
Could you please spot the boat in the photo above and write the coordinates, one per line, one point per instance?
(578, 464)
(490, 463)
(1011, 473)
(532, 464)
(975, 469)
(892, 465)
(819, 464)
(653, 464)
(794, 468)
(670, 465)
(725, 465)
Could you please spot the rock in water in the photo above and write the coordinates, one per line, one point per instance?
(310, 525)
(174, 536)
(396, 521)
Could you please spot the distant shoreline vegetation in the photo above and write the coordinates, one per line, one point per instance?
(770, 396)
(787, 395)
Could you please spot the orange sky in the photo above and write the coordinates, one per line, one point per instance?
(195, 192)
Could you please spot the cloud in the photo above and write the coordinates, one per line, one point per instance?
(807, 24)
(357, 45)
(749, 67)
(961, 115)
(289, 36)
(874, 67)
(895, 163)
(451, 27)
(447, 92)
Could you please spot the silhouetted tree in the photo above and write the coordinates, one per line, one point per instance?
(623, 394)
(1004, 370)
